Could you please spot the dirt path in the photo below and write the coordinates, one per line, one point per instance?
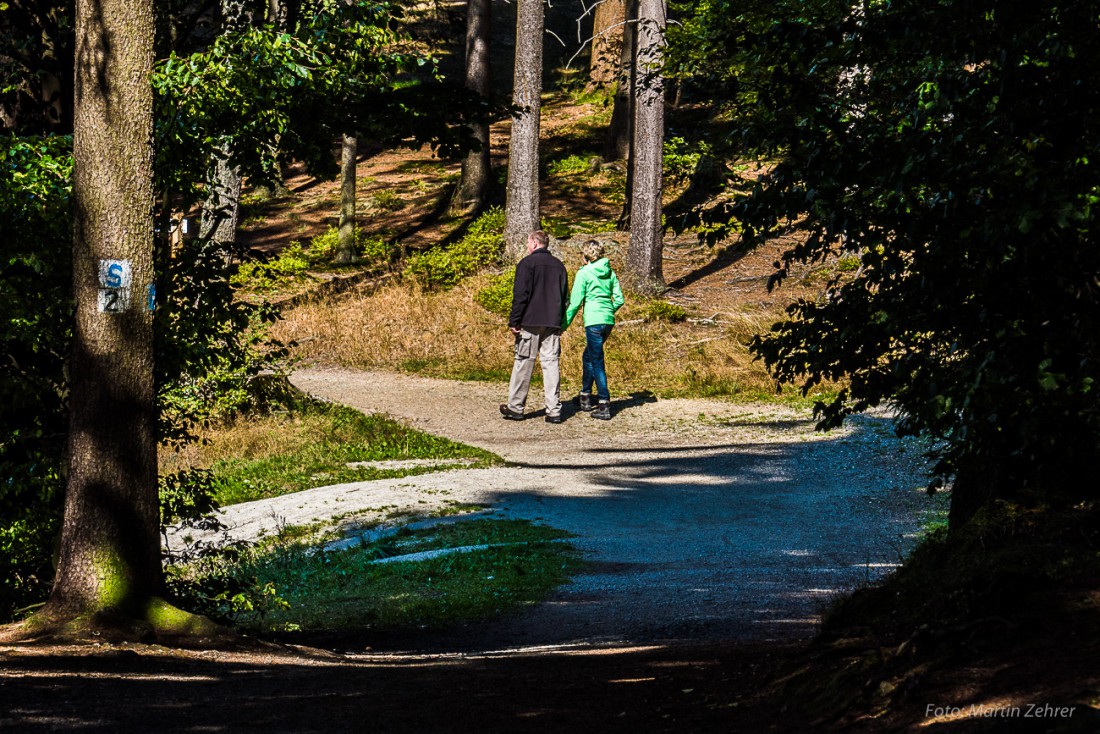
(716, 533)
(702, 520)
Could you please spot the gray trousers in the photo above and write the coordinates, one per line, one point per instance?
(543, 343)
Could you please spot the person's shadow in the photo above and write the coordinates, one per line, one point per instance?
(570, 408)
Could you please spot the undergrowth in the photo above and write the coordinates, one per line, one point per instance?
(480, 247)
(967, 610)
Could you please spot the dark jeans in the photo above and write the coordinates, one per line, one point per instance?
(594, 372)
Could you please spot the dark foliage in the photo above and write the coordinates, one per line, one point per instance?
(35, 327)
(953, 147)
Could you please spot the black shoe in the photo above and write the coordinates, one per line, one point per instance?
(602, 412)
(509, 414)
(585, 402)
(553, 419)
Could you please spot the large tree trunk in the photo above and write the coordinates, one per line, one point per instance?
(607, 41)
(110, 549)
(109, 574)
(345, 249)
(644, 256)
(521, 209)
(476, 169)
(620, 130)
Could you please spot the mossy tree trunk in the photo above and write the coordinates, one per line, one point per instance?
(476, 169)
(110, 550)
(109, 572)
(645, 254)
(521, 209)
(345, 248)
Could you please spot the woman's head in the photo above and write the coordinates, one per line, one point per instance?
(592, 251)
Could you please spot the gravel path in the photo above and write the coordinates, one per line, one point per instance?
(702, 520)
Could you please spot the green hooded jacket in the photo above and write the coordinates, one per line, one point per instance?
(597, 289)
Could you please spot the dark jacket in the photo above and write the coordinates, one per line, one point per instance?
(540, 291)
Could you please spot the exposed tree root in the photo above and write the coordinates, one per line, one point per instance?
(158, 623)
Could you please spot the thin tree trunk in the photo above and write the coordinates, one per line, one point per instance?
(644, 256)
(221, 211)
(607, 41)
(521, 209)
(345, 249)
(476, 169)
(277, 13)
(619, 131)
(110, 550)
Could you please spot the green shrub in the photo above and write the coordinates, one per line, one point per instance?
(570, 165)
(848, 264)
(662, 311)
(681, 158)
(387, 201)
(496, 297)
(370, 250)
(491, 221)
(259, 276)
(481, 247)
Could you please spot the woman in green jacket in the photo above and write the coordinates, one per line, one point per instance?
(597, 289)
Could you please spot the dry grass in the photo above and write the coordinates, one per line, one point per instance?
(446, 334)
(253, 437)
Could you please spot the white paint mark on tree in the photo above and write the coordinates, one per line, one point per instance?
(115, 280)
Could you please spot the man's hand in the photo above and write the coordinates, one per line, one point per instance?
(515, 330)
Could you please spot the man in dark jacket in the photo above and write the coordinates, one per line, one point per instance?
(539, 295)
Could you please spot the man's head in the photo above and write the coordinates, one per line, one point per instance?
(537, 240)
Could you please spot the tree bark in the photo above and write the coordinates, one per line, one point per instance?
(476, 168)
(521, 209)
(109, 574)
(221, 211)
(620, 130)
(345, 248)
(110, 550)
(644, 256)
(607, 42)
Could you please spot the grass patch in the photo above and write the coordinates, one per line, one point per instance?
(266, 456)
(346, 590)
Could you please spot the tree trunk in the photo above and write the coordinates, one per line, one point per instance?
(476, 169)
(221, 211)
(607, 42)
(345, 249)
(521, 209)
(620, 130)
(110, 549)
(277, 13)
(109, 574)
(644, 256)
